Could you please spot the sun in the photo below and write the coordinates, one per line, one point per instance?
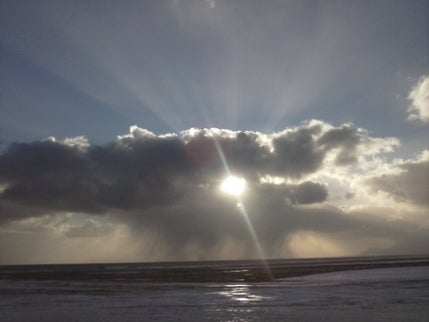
(233, 185)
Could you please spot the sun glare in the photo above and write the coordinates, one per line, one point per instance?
(233, 186)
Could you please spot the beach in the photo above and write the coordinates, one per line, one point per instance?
(351, 289)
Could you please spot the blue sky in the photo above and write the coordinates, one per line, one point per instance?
(321, 107)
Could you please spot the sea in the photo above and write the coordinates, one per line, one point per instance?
(394, 288)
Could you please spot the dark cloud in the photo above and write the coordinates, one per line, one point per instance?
(15, 211)
(167, 187)
(141, 170)
(296, 152)
(410, 185)
(347, 138)
(126, 174)
(308, 192)
(208, 218)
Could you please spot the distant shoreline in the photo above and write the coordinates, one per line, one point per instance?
(206, 272)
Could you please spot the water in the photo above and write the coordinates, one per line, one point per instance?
(134, 292)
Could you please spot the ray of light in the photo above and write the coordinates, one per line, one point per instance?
(255, 238)
(222, 156)
(139, 73)
(244, 213)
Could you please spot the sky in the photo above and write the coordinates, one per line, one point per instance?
(121, 121)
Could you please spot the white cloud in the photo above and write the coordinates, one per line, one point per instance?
(419, 97)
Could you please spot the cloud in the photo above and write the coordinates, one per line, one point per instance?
(142, 170)
(162, 193)
(407, 182)
(308, 192)
(90, 228)
(419, 97)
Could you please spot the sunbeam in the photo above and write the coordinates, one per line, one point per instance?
(235, 186)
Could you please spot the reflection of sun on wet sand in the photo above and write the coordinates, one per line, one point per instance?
(217, 271)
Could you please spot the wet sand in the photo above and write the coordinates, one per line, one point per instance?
(335, 289)
(200, 272)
